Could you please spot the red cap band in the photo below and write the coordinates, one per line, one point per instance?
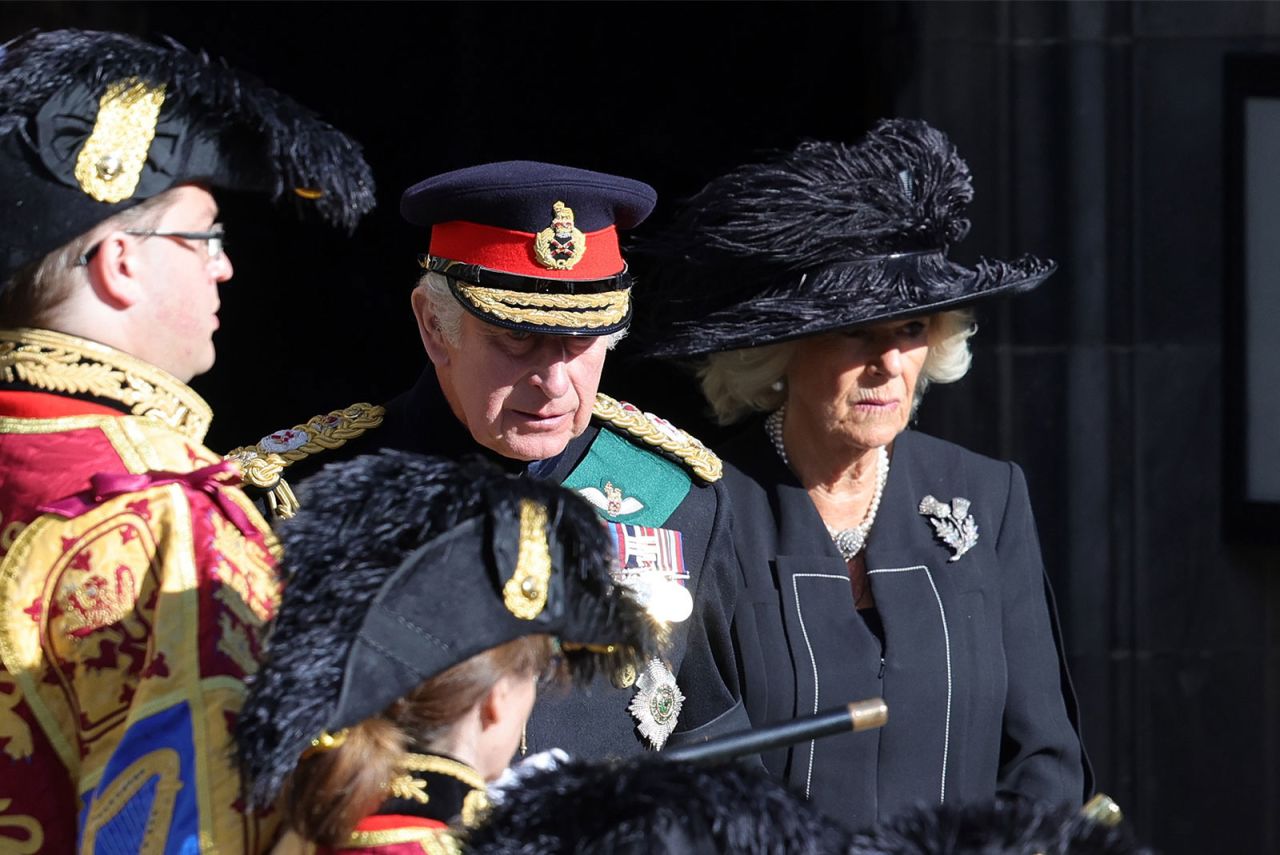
(507, 251)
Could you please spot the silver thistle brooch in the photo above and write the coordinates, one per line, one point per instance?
(953, 524)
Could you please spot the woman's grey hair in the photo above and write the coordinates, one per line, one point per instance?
(448, 311)
(738, 383)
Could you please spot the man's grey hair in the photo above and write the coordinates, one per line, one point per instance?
(448, 310)
(738, 383)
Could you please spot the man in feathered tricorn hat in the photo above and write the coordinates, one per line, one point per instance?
(135, 578)
(525, 291)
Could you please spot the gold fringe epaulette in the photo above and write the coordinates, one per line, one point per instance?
(661, 434)
(263, 463)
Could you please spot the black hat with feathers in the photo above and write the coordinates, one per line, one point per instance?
(824, 237)
(400, 566)
(92, 123)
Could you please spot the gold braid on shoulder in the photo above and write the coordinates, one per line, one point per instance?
(660, 434)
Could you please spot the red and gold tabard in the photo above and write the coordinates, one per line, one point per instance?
(135, 581)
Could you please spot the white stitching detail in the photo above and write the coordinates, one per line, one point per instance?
(946, 640)
(808, 783)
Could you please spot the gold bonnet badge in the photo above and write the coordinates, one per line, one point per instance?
(110, 164)
(561, 245)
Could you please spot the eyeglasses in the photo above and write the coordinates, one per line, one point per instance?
(214, 239)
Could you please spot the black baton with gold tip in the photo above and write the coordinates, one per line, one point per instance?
(859, 715)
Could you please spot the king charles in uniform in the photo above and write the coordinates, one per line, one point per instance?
(524, 291)
(135, 577)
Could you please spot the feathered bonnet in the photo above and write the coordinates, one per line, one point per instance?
(92, 123)
(400, 566)
(825, 237)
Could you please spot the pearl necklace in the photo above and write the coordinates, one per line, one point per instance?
(849, 541)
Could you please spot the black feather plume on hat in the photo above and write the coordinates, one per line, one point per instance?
(364, 524)
(304, 151)
(823, 237)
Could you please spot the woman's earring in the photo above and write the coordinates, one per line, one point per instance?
(776, 385)
(524, 741)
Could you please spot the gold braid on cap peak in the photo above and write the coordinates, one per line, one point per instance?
(553, 310)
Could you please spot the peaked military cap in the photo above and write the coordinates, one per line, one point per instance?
(400, 566)
(532, 246)
(93, 123)
(827, 236)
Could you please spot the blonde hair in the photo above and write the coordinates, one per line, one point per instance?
(737, 383)
(447, 309)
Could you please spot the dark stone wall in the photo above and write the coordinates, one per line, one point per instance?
(1094, 131)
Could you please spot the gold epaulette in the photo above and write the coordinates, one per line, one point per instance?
(661, 434)
(263, 463)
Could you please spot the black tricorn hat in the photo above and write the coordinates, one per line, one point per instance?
(400, 566)
(825, 237)
(92, 123)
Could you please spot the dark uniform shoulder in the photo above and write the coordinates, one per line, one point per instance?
(650, 431)
(263, 464)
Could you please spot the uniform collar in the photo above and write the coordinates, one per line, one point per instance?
(436, 786)
(43, 360)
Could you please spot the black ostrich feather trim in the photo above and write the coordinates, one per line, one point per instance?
(825, 236)
(648, 805)
(302, 150)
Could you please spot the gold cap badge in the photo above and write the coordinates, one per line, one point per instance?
(525, 593)
(110, 164)
(561, 245)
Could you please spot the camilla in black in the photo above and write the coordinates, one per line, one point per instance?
(877, 561)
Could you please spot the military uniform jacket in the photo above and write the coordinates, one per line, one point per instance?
(134, 586)
(971, 664)
(633, 484)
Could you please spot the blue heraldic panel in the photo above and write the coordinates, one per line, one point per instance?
(146, 800)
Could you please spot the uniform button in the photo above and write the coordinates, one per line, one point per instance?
(625, 676)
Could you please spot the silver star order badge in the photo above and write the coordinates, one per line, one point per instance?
(656, 703)
(953, 524)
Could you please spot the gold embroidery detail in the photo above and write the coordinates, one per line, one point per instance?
(443, 766)
(474, 806)
(56, 362)
(575, 311)
(263, 463)
(35, 834)
(408, 787)
(435, 841)
(326, 742)
(233, 640)
(675, 442)
(110, 164)
(162, 765)
(525, 593)
(12, 726)
(549, 245)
